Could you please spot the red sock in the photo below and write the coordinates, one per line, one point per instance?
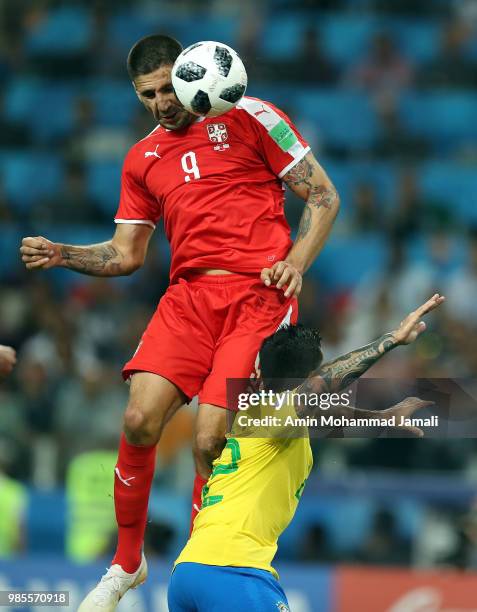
(132, 484)
(199, 483)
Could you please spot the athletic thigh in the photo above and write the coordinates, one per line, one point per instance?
(177, 343)
(153, 400)
(236, 355)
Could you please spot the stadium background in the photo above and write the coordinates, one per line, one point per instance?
(385, 91)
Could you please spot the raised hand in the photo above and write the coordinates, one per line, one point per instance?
(411, 327)
(40, 253)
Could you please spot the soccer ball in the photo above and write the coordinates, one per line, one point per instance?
(209, 78)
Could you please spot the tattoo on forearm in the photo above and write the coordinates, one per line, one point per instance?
(305, 223)
(341, 372)
(312, 385)
(318, 195)
(322, 196)
(96, 260)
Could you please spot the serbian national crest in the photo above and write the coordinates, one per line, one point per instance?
(218, 134)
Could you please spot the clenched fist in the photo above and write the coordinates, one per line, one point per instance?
(40, 253)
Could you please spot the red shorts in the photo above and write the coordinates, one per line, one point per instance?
(209, 328)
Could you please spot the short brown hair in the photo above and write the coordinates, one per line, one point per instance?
(152, 52)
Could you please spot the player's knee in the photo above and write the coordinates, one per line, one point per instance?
(208, 446)
(138, 428)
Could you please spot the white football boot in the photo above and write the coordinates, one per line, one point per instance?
(106, 594)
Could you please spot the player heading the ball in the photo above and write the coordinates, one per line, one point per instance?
(209, 78)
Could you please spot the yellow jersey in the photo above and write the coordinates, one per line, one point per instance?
(252, 493)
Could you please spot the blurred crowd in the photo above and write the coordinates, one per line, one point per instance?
(72, 334)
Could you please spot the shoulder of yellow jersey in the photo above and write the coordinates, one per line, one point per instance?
(274, 419)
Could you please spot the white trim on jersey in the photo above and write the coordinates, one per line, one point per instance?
(263, 113)
(136, 222)
(266, 116)
(293, 163)
(287, 318)
(150, 133)
(286, 321)
(198, 120)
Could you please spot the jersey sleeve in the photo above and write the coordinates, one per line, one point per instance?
(136, 204)
(279, 142)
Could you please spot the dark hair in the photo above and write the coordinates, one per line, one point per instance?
(291, 352)
(152, 52)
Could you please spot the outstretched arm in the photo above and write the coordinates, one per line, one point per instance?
(399, 413)
(310, 182)
(120, 256)
(340, 373)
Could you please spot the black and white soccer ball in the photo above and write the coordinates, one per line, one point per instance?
(209, 78)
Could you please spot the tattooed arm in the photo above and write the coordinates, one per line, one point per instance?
(120, 256)
(309, 181)
(340, 373)
(336, 375)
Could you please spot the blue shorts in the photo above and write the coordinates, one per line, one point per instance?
(196, 587)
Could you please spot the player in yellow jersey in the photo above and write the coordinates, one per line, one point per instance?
(257, 481)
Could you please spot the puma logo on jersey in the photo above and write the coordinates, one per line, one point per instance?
(153, 153)
(124, 480)
(264, 110)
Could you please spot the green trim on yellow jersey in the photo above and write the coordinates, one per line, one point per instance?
(249, 499)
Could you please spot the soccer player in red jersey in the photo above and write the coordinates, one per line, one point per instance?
(218, 184)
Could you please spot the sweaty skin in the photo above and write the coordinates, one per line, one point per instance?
(156, 93)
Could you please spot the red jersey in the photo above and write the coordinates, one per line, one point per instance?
(216, 183)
